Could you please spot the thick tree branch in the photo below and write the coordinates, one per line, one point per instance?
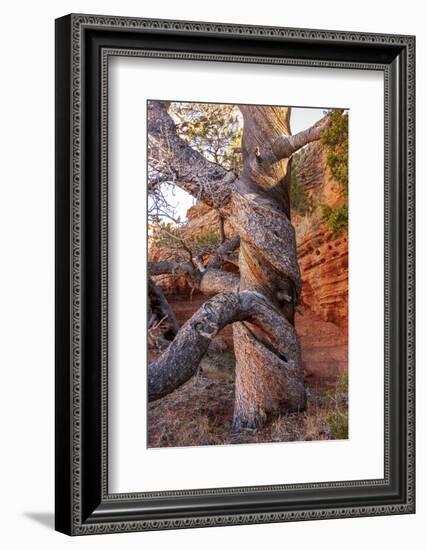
(171, 267)
(181, 359)
(189, 169)
(214, 281)
(267, 241)
(209, 281)
(285, 146)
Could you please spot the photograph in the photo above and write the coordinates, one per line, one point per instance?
(209, 277)
(247, 273)
(235, 273)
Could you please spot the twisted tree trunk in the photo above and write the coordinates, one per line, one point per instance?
(261, 303)
(268, 265)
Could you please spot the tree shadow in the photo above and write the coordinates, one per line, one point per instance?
(47, 519)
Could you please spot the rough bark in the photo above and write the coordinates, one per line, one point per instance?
(207, 181)
(208, 281)
(171, 267)
(214, 281)
(268, 265)
(269, 373)
(181, 359)
(285, 146)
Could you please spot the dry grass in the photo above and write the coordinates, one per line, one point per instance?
(200, 412)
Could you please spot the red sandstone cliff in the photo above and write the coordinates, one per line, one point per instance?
(323, 258)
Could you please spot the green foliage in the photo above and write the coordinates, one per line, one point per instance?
(209, 238)
(299, 199)
(335, 219)
(338, 418)
(335, 140)
(214, 130)
(338, 423)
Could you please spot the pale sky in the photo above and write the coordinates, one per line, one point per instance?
(301, 118)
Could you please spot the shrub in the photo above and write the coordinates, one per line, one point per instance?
(338, 418)
(299, 199)
(207, 238)
(335, 219)
(335, 140)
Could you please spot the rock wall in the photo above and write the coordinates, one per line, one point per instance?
(323, 261)
(323, 258)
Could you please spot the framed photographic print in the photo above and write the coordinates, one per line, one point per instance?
(234, 274)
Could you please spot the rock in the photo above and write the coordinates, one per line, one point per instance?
(323, 261)
(323, 258)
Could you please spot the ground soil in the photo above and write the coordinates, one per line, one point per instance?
(200, 412)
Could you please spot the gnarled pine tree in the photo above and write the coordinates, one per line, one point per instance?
(261, 301)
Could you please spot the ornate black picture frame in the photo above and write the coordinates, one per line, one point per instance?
(83, 45)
